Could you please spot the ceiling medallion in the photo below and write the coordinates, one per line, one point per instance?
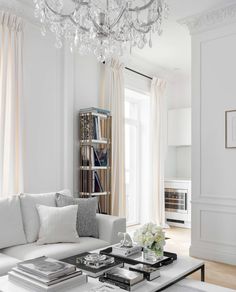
(105, 28)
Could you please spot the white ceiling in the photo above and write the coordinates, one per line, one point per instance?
(172, 50)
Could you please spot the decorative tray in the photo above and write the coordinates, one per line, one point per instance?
(138, 258)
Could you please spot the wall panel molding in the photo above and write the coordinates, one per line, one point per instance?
(209, 253)
(202, 194)
(211, 200)
(219, 213)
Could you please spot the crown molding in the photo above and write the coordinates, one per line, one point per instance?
(210, 19)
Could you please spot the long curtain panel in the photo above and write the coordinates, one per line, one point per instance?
(112, 98)
(158, 150)
(11, 35)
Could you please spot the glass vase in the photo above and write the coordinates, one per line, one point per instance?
(153, 254)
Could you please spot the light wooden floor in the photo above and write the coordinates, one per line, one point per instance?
(216, 273)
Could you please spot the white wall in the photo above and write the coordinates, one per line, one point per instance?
(179, 90)
(183, 162)
(213, 166)
(178, 160)
(41, 107)
(171, 163)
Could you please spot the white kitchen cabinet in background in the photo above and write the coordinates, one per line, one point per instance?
(179, 127)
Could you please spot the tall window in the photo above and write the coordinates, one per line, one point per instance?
(136, 137)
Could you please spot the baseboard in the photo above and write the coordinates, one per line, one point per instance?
(213, 255)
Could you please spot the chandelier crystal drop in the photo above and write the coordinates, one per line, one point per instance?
(105, 28)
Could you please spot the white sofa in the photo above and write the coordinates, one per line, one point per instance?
(19, 224)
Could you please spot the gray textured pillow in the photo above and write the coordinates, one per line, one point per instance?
(86, 217)
(63, 200)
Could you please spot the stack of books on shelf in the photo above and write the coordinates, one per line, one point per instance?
(93, 186)
(123, 278)
(97, 135)
(98, 156)
(46, 274)
(97, 121)
(94, 130)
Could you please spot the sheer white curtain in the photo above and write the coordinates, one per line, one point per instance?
(158, 117)
(112, 98)
(10, 95)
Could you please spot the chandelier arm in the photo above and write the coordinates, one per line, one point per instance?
(150, 23)
(140, 8)
(77, 24)
(55, 12)
(139, 29)
(65, 16)
(118, 18)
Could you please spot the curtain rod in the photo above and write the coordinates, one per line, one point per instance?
(134, 71)
(139, 73)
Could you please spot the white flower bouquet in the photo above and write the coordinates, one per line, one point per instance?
(152, 237)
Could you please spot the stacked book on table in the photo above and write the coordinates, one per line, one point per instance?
(46, 274)
(123, 278)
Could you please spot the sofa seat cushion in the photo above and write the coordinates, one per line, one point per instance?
(56, 250)
(11, 224)
(6, 263)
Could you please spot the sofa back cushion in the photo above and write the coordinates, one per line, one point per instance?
(11, 225)
(87, 225)
(30, 214)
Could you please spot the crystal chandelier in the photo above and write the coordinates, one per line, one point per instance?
(105, 28)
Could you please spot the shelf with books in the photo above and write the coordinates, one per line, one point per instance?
(95, 156)
(95, 112)
(103, 116)
(93, 141)
(95, 194)
(94, 167)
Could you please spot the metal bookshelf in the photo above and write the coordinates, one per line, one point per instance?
(95, 156)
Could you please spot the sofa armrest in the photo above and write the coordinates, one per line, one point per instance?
(109, 226)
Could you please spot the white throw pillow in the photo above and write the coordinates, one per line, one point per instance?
(30, 214)
(11, 225)
(57, 224)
